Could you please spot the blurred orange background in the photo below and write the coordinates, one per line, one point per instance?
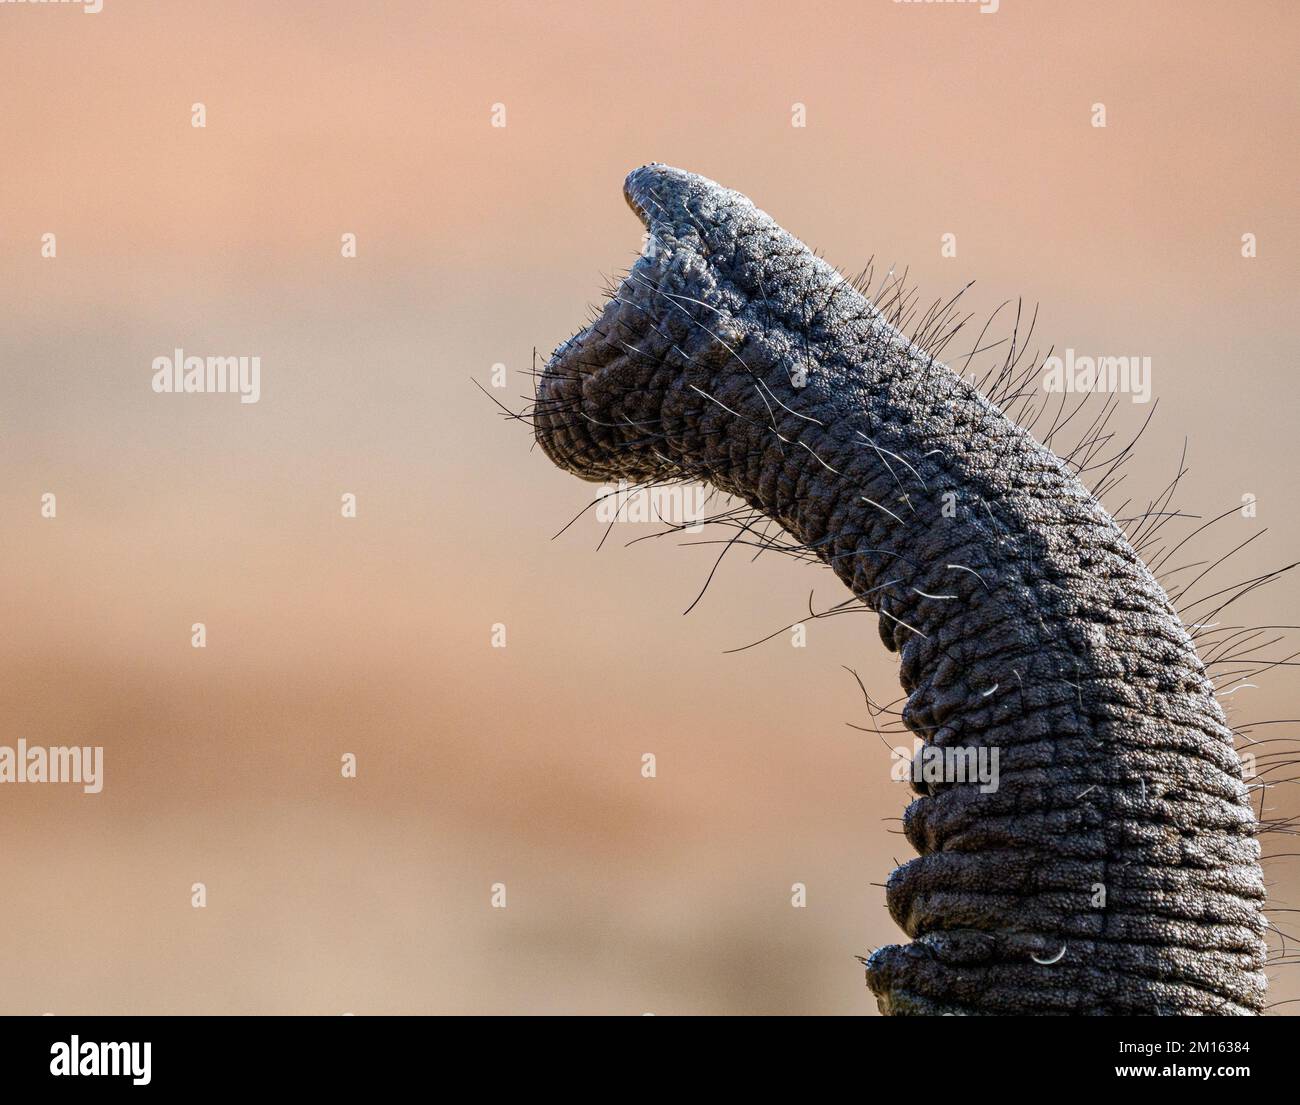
(478, 245)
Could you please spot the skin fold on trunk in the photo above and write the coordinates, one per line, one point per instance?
(1115, 867)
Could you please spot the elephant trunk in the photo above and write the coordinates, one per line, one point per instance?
(1085, 840)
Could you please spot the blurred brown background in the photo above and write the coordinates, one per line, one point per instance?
(476, 245)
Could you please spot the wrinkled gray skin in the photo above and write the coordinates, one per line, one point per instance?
(1026, 622)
